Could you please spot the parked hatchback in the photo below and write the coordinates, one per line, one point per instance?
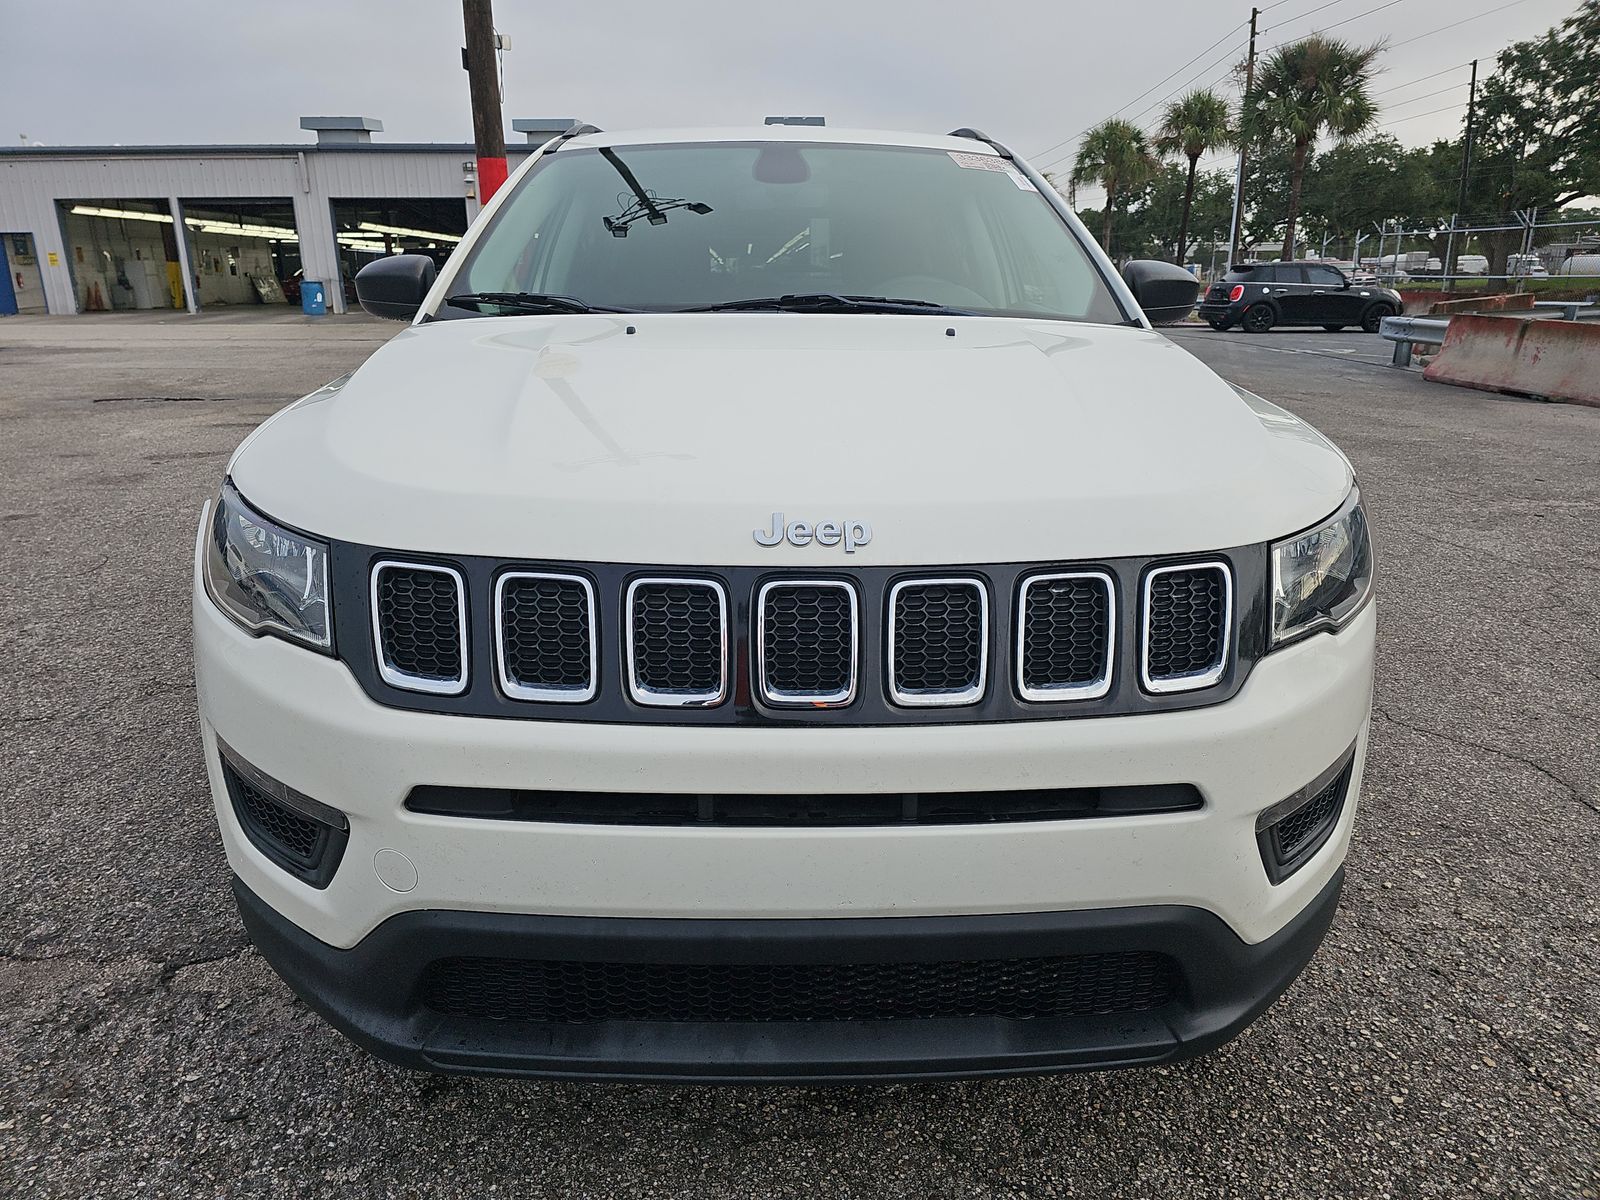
(1257, 296)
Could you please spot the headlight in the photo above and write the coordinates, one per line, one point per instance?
(266, 577)
(1321, 578)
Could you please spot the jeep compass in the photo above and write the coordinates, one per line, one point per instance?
(779, 612)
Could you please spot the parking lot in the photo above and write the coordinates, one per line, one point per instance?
(1445, 1042)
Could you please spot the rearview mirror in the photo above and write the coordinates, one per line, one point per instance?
(1164, 290)
(395, 287)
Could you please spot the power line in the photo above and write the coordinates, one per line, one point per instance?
(1150, 107)
(1427, 95)
(1464, 20)
(1421, 79)
(1417, 116)
(1148, 90)
(1346, 21)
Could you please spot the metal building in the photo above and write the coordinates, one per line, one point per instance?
(96, 228)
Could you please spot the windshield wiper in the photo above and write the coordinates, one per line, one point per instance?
(832, 302)
(528, 302)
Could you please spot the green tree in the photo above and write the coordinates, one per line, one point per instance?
(1359, 184)
(1316, 87)
(1157, 208)
(1116, 155)
(1537, 137)
(1190, 126)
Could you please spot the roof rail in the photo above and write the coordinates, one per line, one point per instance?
(977, 135)
(578, 130)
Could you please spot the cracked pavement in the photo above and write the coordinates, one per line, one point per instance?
(1445, 1042)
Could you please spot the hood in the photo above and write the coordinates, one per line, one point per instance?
(672, 438)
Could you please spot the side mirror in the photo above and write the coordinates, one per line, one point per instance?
(1164, 290)
(395, 287)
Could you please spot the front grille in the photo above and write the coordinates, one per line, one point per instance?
(307, 848)
(566, 992)
(677, 641)
(807, 642)
(938, 641)
(420, 626)
(545, 626)
(1066, 637)
(751, 646)
(1188, 612)
(801, 811)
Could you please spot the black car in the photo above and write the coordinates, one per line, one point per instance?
(1257, 296)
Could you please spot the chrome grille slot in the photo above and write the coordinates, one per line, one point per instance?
(808, 638)
(545, 640)
(938, 641)
(1066, 636)
(677, 642)
(1188, 618)
(419, 626)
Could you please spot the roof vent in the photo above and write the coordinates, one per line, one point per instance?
(797, 120)
(332, 131)
(541, 129)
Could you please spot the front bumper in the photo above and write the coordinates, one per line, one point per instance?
(375, 992)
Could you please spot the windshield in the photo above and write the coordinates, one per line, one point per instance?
(692, 225)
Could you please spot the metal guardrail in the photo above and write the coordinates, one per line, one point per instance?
(1406, 331)
(1571, 310)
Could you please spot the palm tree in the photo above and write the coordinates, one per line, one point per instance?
(1319, 86)
(1190, 126)
(1115, 155)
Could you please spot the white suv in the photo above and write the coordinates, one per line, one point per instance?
(780, 613)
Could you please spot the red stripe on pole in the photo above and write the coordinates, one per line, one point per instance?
(491, 174)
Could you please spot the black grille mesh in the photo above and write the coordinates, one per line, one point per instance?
(544, 626)
(1065, 632)
(419, 622)
(568, 992)
(297, 836)
(677, 638)
(1304, 825)
(938, 637)
(807, 640)
(1187, 609)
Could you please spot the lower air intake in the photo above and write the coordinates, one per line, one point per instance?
(574, 992)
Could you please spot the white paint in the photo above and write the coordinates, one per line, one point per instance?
(563, 437)
(302, 718)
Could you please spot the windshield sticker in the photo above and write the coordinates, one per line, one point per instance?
(978, 162)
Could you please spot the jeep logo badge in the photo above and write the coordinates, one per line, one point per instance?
(824, 533)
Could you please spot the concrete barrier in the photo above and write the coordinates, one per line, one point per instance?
(1556, 360)
(1506, 302)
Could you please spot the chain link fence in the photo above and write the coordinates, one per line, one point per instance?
(1515, 252)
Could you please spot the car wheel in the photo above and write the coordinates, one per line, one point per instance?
(1374, 315)
(1259, 318)
(1333, 328)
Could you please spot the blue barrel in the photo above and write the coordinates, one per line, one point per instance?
(313, 299)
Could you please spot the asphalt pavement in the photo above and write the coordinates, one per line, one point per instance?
(1444, 1043)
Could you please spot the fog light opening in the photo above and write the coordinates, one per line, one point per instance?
(1291, 832)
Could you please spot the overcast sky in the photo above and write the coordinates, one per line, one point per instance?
(1032, 72)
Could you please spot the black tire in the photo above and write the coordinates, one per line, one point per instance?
(1373, 316)
(1258, 318)
(1333, 328)
(1219, 326)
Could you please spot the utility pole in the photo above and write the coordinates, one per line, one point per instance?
(1466, 173)
(1238, 180)
(483, 78)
